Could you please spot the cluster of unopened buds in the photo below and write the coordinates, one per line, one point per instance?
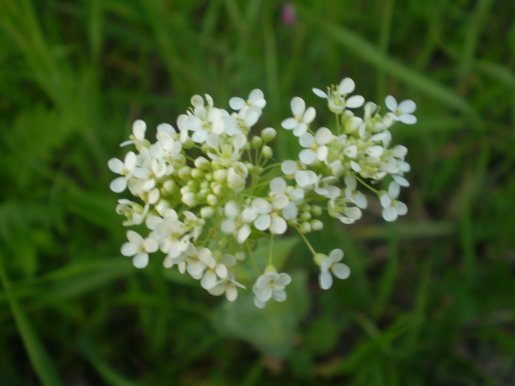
(208, 189)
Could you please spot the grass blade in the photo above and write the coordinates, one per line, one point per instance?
(36, 351)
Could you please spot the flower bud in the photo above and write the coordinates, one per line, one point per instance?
(257, 142)
(189, 199)
(305, 227)
(268, 134)
(317, 225)
(220, 175)
(316, 210)
(212, 200)
(201, 162)
(207, 212)
(185, 173)
(267, 152)
(305, 216)
(197, 174)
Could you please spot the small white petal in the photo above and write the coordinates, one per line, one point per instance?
(309, 115)
(248, 215)
(236, 103)
(115, 165)
(199, 136)
(231, 294)
(129, 249)
(325, 280)
(284, 279)
(307, 156)
(407, 106)
(323, 136)
(118, 185)
(280, 201)
(408, 119)
(355, 101)
(289, 167)
(336, 255)
(150, 245)
(341, 271)
(278, 225)
(297, 106)
(251, 116)
(263, 222)
(290, 212)
(346, 86)
(208, 280)
(243, 233)
(140, 260)
(385, 200)
(138, 129)
(231, 209)
(401, 208)
(130, 160)
(261, 206)
(390, 214)
(391, 103)
(289, 123)
(319, 93)
(306, 140)
(278, 185)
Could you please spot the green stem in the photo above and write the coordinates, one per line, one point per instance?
(312, 250)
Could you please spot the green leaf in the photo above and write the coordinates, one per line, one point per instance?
(271, 330)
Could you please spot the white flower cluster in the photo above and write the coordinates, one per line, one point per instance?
(205, 191)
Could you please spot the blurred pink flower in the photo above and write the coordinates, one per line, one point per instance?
(288, 14)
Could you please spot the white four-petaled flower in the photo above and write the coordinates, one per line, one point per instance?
(330, 265)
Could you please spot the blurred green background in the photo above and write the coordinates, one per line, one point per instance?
(431, 300)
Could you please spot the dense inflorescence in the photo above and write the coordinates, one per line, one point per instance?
(203, 192)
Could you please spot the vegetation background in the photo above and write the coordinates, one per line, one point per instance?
(431, 299)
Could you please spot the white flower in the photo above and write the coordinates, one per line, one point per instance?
(270, 285)
(206, 120)
(124, 169)
(331, 265)
(403, 111)
(249, 110)
(352, 192)
(337, 96)
(228, 286)
(301, 119)
(315, 146)
(392, 208)
(285, 197)
(339, 207)
(138, 135)
(268, 215)
(237, 222)
(135, 213)
(138, 248)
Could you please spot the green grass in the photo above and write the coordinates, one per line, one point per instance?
(430, 300)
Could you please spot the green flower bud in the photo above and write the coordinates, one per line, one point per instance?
(317, 225)
(267, 152)
(197, 174)
(305, 227)
(212, 200)
(220, 175)
(257, 142)
(316, 210)
(185, 173)
(268, 134)
(207, 212)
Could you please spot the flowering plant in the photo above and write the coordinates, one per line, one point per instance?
(204, 192)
